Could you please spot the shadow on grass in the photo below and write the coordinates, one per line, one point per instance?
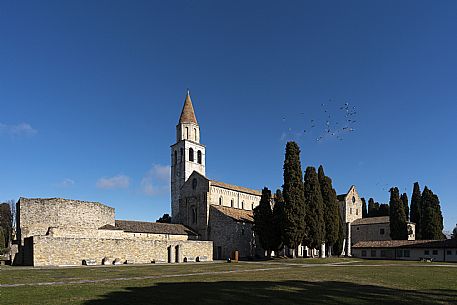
(268, 292)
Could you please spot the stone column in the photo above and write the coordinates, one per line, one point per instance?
(178, 254)
(348, 239)
(322, 252)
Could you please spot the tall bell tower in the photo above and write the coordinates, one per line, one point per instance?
(187, 154)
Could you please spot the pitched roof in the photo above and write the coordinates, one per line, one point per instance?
(187, 113)
(448, 243)
(342, 197)
(149, 227)
(371, 220)
(235, 188)
(235, 214)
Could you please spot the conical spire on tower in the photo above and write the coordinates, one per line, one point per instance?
(187, 113)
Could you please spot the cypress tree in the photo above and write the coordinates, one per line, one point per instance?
(364, 208)
(6, 218)
(383, 209)
(432, 219)
(293, 227)
(398, 225)
(278, 214)
(263, 221)
(415, 214)
(404, 199)
(338, 246)
(3, 243)
(373, 208)
(314, 210)
(331, 210)
(454, 233)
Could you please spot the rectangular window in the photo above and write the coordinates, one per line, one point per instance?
(426, 252)
(373, 253)
(399, 253)
(383, 253)
(448, 252)
(350, 211)
(435, 252)
(381, 231)
(356, 211)
(364, 253)
(406, 253)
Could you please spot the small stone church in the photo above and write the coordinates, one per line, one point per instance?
(217, 211)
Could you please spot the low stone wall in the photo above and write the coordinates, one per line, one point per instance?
(55, 251)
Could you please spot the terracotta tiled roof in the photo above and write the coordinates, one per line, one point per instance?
(371, 220)
(187, 113)
(235, 188)
(150, 227)
(235, 214)
(449, 243)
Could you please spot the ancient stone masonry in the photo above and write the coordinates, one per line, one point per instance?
(49, 250)
(36, 216)
(58, 232)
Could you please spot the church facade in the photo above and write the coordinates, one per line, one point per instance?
(217, 211)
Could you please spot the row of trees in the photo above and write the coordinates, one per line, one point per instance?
(375, 209)
(306, 211)
(426, 213)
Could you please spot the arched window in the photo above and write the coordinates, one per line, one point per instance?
(242, 205)
(220, 200)
(191, 155)
(176, 157)
(181, 154)
(231, 203)
(195, 134)
(252, 206)
(199, 157)
(187, 133)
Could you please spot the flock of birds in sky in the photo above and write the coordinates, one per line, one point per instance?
(333, 121)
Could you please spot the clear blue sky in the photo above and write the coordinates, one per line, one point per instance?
(91, 91)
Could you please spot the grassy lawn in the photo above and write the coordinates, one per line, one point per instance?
(271, 282)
